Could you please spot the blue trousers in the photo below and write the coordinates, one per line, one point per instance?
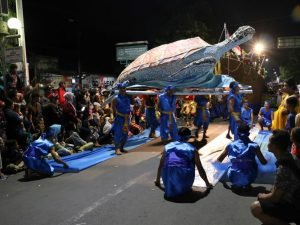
(164, 128)
(120, 136)
(151, 120)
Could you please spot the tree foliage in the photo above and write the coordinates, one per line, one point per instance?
(291, 67)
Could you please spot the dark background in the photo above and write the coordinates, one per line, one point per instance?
(53, 26)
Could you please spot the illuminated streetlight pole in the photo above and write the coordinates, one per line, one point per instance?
(20, 17)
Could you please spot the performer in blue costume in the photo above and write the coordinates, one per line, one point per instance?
(36, 154)
(121, 109)
(177, 166)
(265, 116)
(202, 115)
(241, 153)
(234, 106)
(167, 107)
(247, 114)
(151, 120)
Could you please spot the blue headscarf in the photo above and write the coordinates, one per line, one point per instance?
(169, 88)
(53, 131)
(122, 85)
(236, 84)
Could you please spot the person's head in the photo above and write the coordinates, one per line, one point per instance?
(69, 97)
(279, 142)
(12, 94)
(122, 88)
(53, 131)
(184, 133)
(170, 90)
(234, 87)
(243, 129)
(246, 104)
(295, 136)
(13, 68)
(9, 104)
(291, 103)
(267, 105)
(62, 84)
(96, 106)
(289, 86)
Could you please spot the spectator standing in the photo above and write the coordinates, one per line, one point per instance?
(61, 92)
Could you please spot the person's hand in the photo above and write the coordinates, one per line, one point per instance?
(261, 196)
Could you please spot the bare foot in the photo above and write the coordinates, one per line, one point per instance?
(124, 151)
(228, 136)
(118, 152)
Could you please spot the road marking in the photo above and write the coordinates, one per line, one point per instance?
(74, 219)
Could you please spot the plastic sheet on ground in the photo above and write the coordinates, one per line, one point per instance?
(215, 170)
(86, 159)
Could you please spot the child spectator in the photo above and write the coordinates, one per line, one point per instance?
(265, 116)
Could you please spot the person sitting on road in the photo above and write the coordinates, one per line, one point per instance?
(241, 153)
(35, 155)
(177, 166)
(282, 204)
(265, 116)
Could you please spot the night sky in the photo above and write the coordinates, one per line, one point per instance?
(52, 26)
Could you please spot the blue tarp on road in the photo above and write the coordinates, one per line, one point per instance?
(86, 159)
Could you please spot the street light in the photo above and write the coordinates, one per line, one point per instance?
(14, 23)
(259, 48)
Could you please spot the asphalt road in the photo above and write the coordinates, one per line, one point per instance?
(118, 191)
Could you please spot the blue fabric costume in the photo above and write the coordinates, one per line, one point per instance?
(121, 122)
(151, 120)
(167, 105)
(178, 172)
(266, 117)
(35, 155)
(202, 115)
(236, 110)
(243, 169)
(246, 115)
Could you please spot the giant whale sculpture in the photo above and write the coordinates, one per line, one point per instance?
(184, 64)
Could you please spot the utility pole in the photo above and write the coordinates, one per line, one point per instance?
(22, 42)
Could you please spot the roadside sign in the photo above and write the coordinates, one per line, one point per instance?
(128, 51)
(288, 42)
(13, 55)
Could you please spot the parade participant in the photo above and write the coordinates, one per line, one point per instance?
(151, 121)
(282, 204)
(291, 104)
(265, 116)
(167, 107)
(137, 109)
(280, 116)
(241, 153)
(202, 115)
(186, 109)
(234, 105)
(177, 166)
(247, 114)
(35, 155)
(121, 110)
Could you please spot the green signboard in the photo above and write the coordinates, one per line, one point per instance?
(130, 50)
